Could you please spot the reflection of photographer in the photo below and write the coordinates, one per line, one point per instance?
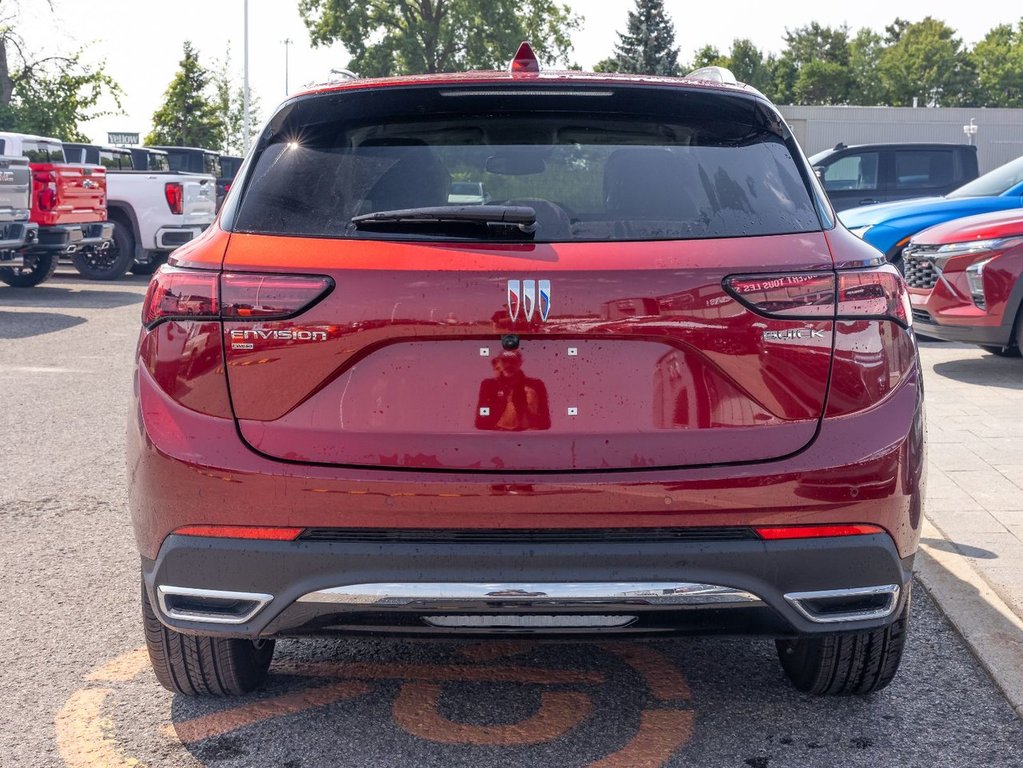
(512, 401)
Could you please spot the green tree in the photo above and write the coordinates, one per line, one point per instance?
(647, 47)
(387, 37)
(709, 56)
(190, 115)
(998, 60)
(814, 67)
(231, 107)
(52, 95)
(865, 51)
(926, 60)
(749, 65)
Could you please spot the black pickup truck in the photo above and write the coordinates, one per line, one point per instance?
(863, 174)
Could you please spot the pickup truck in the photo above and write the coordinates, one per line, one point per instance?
(68, 203)
(864, 174)
(196, 160)
(148, 159)
(17, 233)
(154, 211)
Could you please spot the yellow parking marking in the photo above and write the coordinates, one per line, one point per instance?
(661, 733)
(415, 710)
(218, 723)
(84, 735)
(121, 669)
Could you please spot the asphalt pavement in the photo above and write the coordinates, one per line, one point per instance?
(77, 690)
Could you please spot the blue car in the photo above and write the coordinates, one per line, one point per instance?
(889, 226)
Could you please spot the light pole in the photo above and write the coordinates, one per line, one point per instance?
(245, 84)
(287, 41)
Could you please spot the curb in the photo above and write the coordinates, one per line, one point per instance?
(991, 629)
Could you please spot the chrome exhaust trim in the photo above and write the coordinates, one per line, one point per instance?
(831, 606)
(212, 606)
(540, 595)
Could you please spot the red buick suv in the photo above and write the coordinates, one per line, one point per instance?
(649, 385)
(966, 281)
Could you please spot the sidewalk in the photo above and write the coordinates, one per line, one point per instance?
(972, 555)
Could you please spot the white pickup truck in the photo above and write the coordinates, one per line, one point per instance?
(154, 211)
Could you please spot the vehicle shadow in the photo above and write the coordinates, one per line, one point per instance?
(988, 370)
(52, 296)
(24, 325)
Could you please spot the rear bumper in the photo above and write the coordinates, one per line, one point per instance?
(254, 589)
(169, 238)
(68, 238)
(15, 239)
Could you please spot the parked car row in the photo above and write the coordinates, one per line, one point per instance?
(106, 209)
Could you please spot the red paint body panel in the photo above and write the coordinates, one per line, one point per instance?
(81, 194)
(187, 468)
(644, 360)
(949, 302)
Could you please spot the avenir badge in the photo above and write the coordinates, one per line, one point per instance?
(529, 297)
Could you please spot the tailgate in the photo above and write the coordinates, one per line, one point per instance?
(15, 179)
(81, 193)
(628, 356)
(200, 201)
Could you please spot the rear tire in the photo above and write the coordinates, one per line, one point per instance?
(111, 264)
(144, 269)
(203, 666)
(27, 277)
(846, 664)
(1001, 351)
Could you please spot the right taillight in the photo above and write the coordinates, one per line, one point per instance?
(45, 185)
(879, 293)
(174, 191)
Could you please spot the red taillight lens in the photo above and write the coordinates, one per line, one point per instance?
(780, 532)
(878, 294)
(174, 191)
(270, 296)
(175, 293)
(795, 296)
(874, 293)
(264, 532)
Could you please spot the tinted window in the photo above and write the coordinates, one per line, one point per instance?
(852, 172)
(923, 168)
(115, 160)
(211, 164)
(1001, 179)
(158, 162)
(42, 151)
(640, 167)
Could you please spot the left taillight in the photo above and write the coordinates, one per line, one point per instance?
(191, 294)
(174, 192)
(181, 294)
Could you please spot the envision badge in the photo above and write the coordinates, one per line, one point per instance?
(285, 334)
(530, 296)
(793, 333)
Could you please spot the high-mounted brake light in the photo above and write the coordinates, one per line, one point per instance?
(781, 532)
(879, 293)
(262, 532)
(251, 296)
(186, 294)
(174, 192)
(524, 60)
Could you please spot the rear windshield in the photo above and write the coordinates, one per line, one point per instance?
(157, 162)
(42, 151)
(594, 164)
(115, 161)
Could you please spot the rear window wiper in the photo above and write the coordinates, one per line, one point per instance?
(498, 218)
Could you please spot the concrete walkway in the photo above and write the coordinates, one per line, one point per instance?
(972, 551)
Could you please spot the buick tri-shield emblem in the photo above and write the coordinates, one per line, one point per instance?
(529, 296)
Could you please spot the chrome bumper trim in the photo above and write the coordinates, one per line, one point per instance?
(537, 594)
(889, 591)
(258, 599)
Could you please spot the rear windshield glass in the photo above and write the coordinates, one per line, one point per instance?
(631, 164)
(42, 151)
(995, 182)
(158, 162)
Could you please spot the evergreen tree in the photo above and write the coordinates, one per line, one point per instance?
(647, 47)
(189, 117)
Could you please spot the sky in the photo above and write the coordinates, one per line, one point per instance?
(141, 41)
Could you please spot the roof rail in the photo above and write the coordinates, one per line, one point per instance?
(714, 74)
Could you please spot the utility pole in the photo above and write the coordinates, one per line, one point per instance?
(245, 85)
(287, 41)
